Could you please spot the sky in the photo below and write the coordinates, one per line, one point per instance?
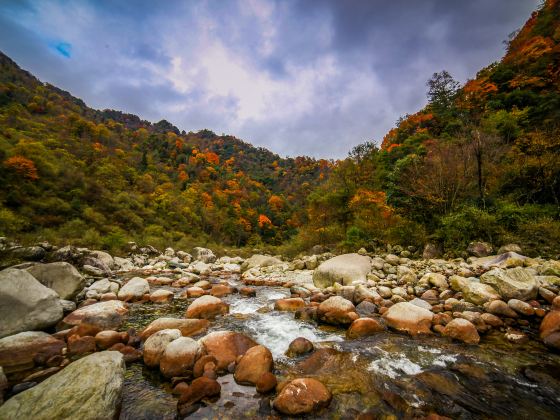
(309, 77)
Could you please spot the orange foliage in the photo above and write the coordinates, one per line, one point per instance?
(212, 158)
(98, 147)
(179, 144)
(264, 221)
(275, 202)
(392, 146)
(415, 123)
(207, 200)
(183, 176)
(22, 166)
(476, 91)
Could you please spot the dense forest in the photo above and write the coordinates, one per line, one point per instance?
(479, 162)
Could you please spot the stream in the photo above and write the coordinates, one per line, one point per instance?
(389, 375)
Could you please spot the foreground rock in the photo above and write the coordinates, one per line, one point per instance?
(200, 388)
(344, 269)
(474, 291)
(253, 364)
(302, 396)
(134, 289)
(515, 283)
(463, 330)
(364, 327)
(102, 316)
(299, 346)
(21, 351)
(207, 307)
(337, 310)
(187, 327)
(62, 277)
(405, 316)
(226, 346)
(179, 357)
(90, 388)
(155, 345)
(25, 304)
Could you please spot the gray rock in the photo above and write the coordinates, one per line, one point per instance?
(421, 303)
(204, 254)
(344, 269)
(155, 345)
(258, 260)
(90, 388)
(105, 315)
(62, 277)
(104, 257)
(25, 304)
(123, 264)
(515, 283)
(473, 291)
(134, 289)
(479, 249)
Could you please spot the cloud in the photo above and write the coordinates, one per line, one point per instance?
(297, 77)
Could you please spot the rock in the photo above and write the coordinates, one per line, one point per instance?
(161, 296)
(81, 345)
(514, 283)
(207, 307)
(435, 279)
(104, 257)
(421, 303)
(550, 268)
(25, 304)
(24, 350)
(522, 308)
(226, 346)
(62, 277)
(253, 364)
(549, 330)
(302, 396)
(431, 251)
(103, 316)
(266, 383)
(187, 327)
(134, 289)
(28, 253)
(96, 263)
(507, 260)
(89, 388)
(473, 291)
(363, 327)
(344, 269)
(4, 385)
(405, 316)
(259, 261)
(362, 293)
(499, 307)
(109, 338)
(201, 268)
(204, 254)
(90, 270)
(67, 305)
(366, 309)
(289, 304)
(479, 249)
(337, 310)
(194, 292)
(463, 330)
(510, 248)
(123, 264)
(200, 366)
(156, 343)
(491, 320)
(299, 346)
(103, 286)
(221, 290)
(179, 357)
(199, 389)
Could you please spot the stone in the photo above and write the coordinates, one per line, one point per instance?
(226, 346)
(109, 338)
(506, 260)
(25, 304)
(266, 383)
(405, 316)
(362, 293)
(253, 364)
(199, 389)
(258, 260)
(337, 310)
(4, 385)
(161, 296)
(289, 304)
(431, 251)
(344, 269)
(421, 303)
(499, 307)
(549, 330)
(463, 330)
(302, 396)
(510, 248)
(248, 291)
(201, 364)
(207, 307)
(61, 277)
(491, 320)
(187, 327)
(221, 290)
(179, 357)
(123, 264)
(299, 346)
(514, 283)
(134, 289)
(479, 249)
(88, 389)
(363, 327)
(156, 343)
(195, 292)
(203, 254)
(435, 279)
(79, 345)
(104, 315)
(201, 268)
(366, 309)
(104, 257)
(550, 268)
(23, 351)
(522, 308)
(473, 291)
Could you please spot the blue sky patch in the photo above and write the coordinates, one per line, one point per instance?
(64, 49)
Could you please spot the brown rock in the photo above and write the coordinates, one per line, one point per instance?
(221, 290)
(550, 329)
(130, 354)
(207, 307)
(266, 383)
(463, 330)
(248, 291)
(199, 389)
(253, 364)
(491, 320)
(180, 388)
(302, 396)
(179, 357)
(108, 338)
(364, 327)
(81, 345)
(41, 375)
(500, 308)
(155, 345)
(201, 363)
(337, 311)
(188, 327)
(299, 346)
(226, 346)
(161, 296)
(289, 304)
(522, 308)
(405, 316)
(20, 352)
(195, 292)
(104, 315)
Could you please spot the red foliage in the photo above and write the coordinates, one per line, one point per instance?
(22, 166)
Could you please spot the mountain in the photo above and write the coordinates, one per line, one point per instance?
(481, 162)
(71, 173)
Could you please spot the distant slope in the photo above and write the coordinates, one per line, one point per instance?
(72, 173)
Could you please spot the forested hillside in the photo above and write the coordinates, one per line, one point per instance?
(72, 173)
(479, 162)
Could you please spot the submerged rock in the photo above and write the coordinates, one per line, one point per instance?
(89, 388)
(199, 389)
(302, 396)
(344, 269)
(22, 351)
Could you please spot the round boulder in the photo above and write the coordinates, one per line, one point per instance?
(253, 364)
(207, 307)
(302, 396)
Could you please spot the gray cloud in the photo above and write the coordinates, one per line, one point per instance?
(298, 77)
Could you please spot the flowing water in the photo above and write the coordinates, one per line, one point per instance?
(386, 376)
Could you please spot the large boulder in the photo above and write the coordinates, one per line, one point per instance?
(473, 291)
(302, 396)
(258, 260)
(405, 316)
(226, 346)
(207, 307)
(253, 364)
(134, 289)
(479, 249)
(62, 277)
(19, 352)
(337, 310)
(204, 254)
(25, 304)
(179, 357)
(344, 269)
(89, 388)
(515, 283)
(155, 345)
(102, 316)
(188, 327)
